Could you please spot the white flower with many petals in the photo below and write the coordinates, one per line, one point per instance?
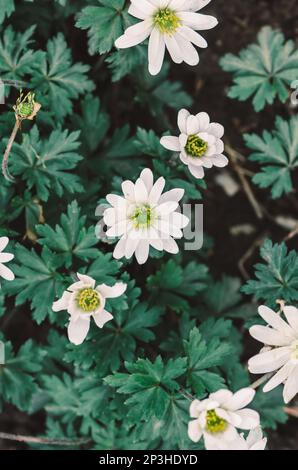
(84, 300)
(254, 441)
(199, 143)
(171, 25)
(217, 417)
(281, 353)
(145, 217)
(5, 272)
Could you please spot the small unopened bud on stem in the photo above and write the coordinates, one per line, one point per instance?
(25, 108)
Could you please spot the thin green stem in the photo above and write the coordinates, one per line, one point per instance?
(5, 170)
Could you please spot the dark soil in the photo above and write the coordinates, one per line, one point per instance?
(240, 21)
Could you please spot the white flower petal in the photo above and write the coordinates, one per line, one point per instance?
(62, 304)
(142, 251)
(128, 189)
(3, 243)
(125, 41)
(177, 4)
(192, 125)
(156, 191)
(250, 419)
(78, 329)
(219, 161)
(268, 335)
(219, 147)
(196, 171)
(291, 386)
(198, 21)
(274, 320)
(6, 273)
(171, 143)
(118, 229)
(291, 314)
(5, 257)
(140, 28)
(192, 36)
(173, 48)
(179, 220)
(269, 361)
(182, 120)
(204, 121)
(279, 377)
(116, 201)
(102, 318)
(188, 51)
(141, 193)
(206, 162)
(156, 243)
(216, 129)
(147, 177)
(175, 194)
(144, 5)
(194, 408)
(194, 430)
(254, 436)
(156, 52)
(196, 5)
(130, 247)
(119, 250)
(240, 399)
(221, 396)
(136, 12)
(111, 292)
(109, 216)
(166, 208)
(259, 445)
(170, 246)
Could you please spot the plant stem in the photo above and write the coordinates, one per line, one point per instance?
(260, 381)
(245, 185)
(5, 171)
(44, 440)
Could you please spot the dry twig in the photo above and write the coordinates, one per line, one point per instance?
(44, 440)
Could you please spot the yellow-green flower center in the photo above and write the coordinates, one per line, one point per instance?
(195, 146)
(166, 21)
(88, 300)
(295, 350)
(215, 423)
(26, 109)
(142, 217)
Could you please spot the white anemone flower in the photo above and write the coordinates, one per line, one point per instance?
(254, 441)
(281, 352)
(217, 417)
(171, 25)
(5, 272)
(145, 217)
(84, 300)
(199, 143)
